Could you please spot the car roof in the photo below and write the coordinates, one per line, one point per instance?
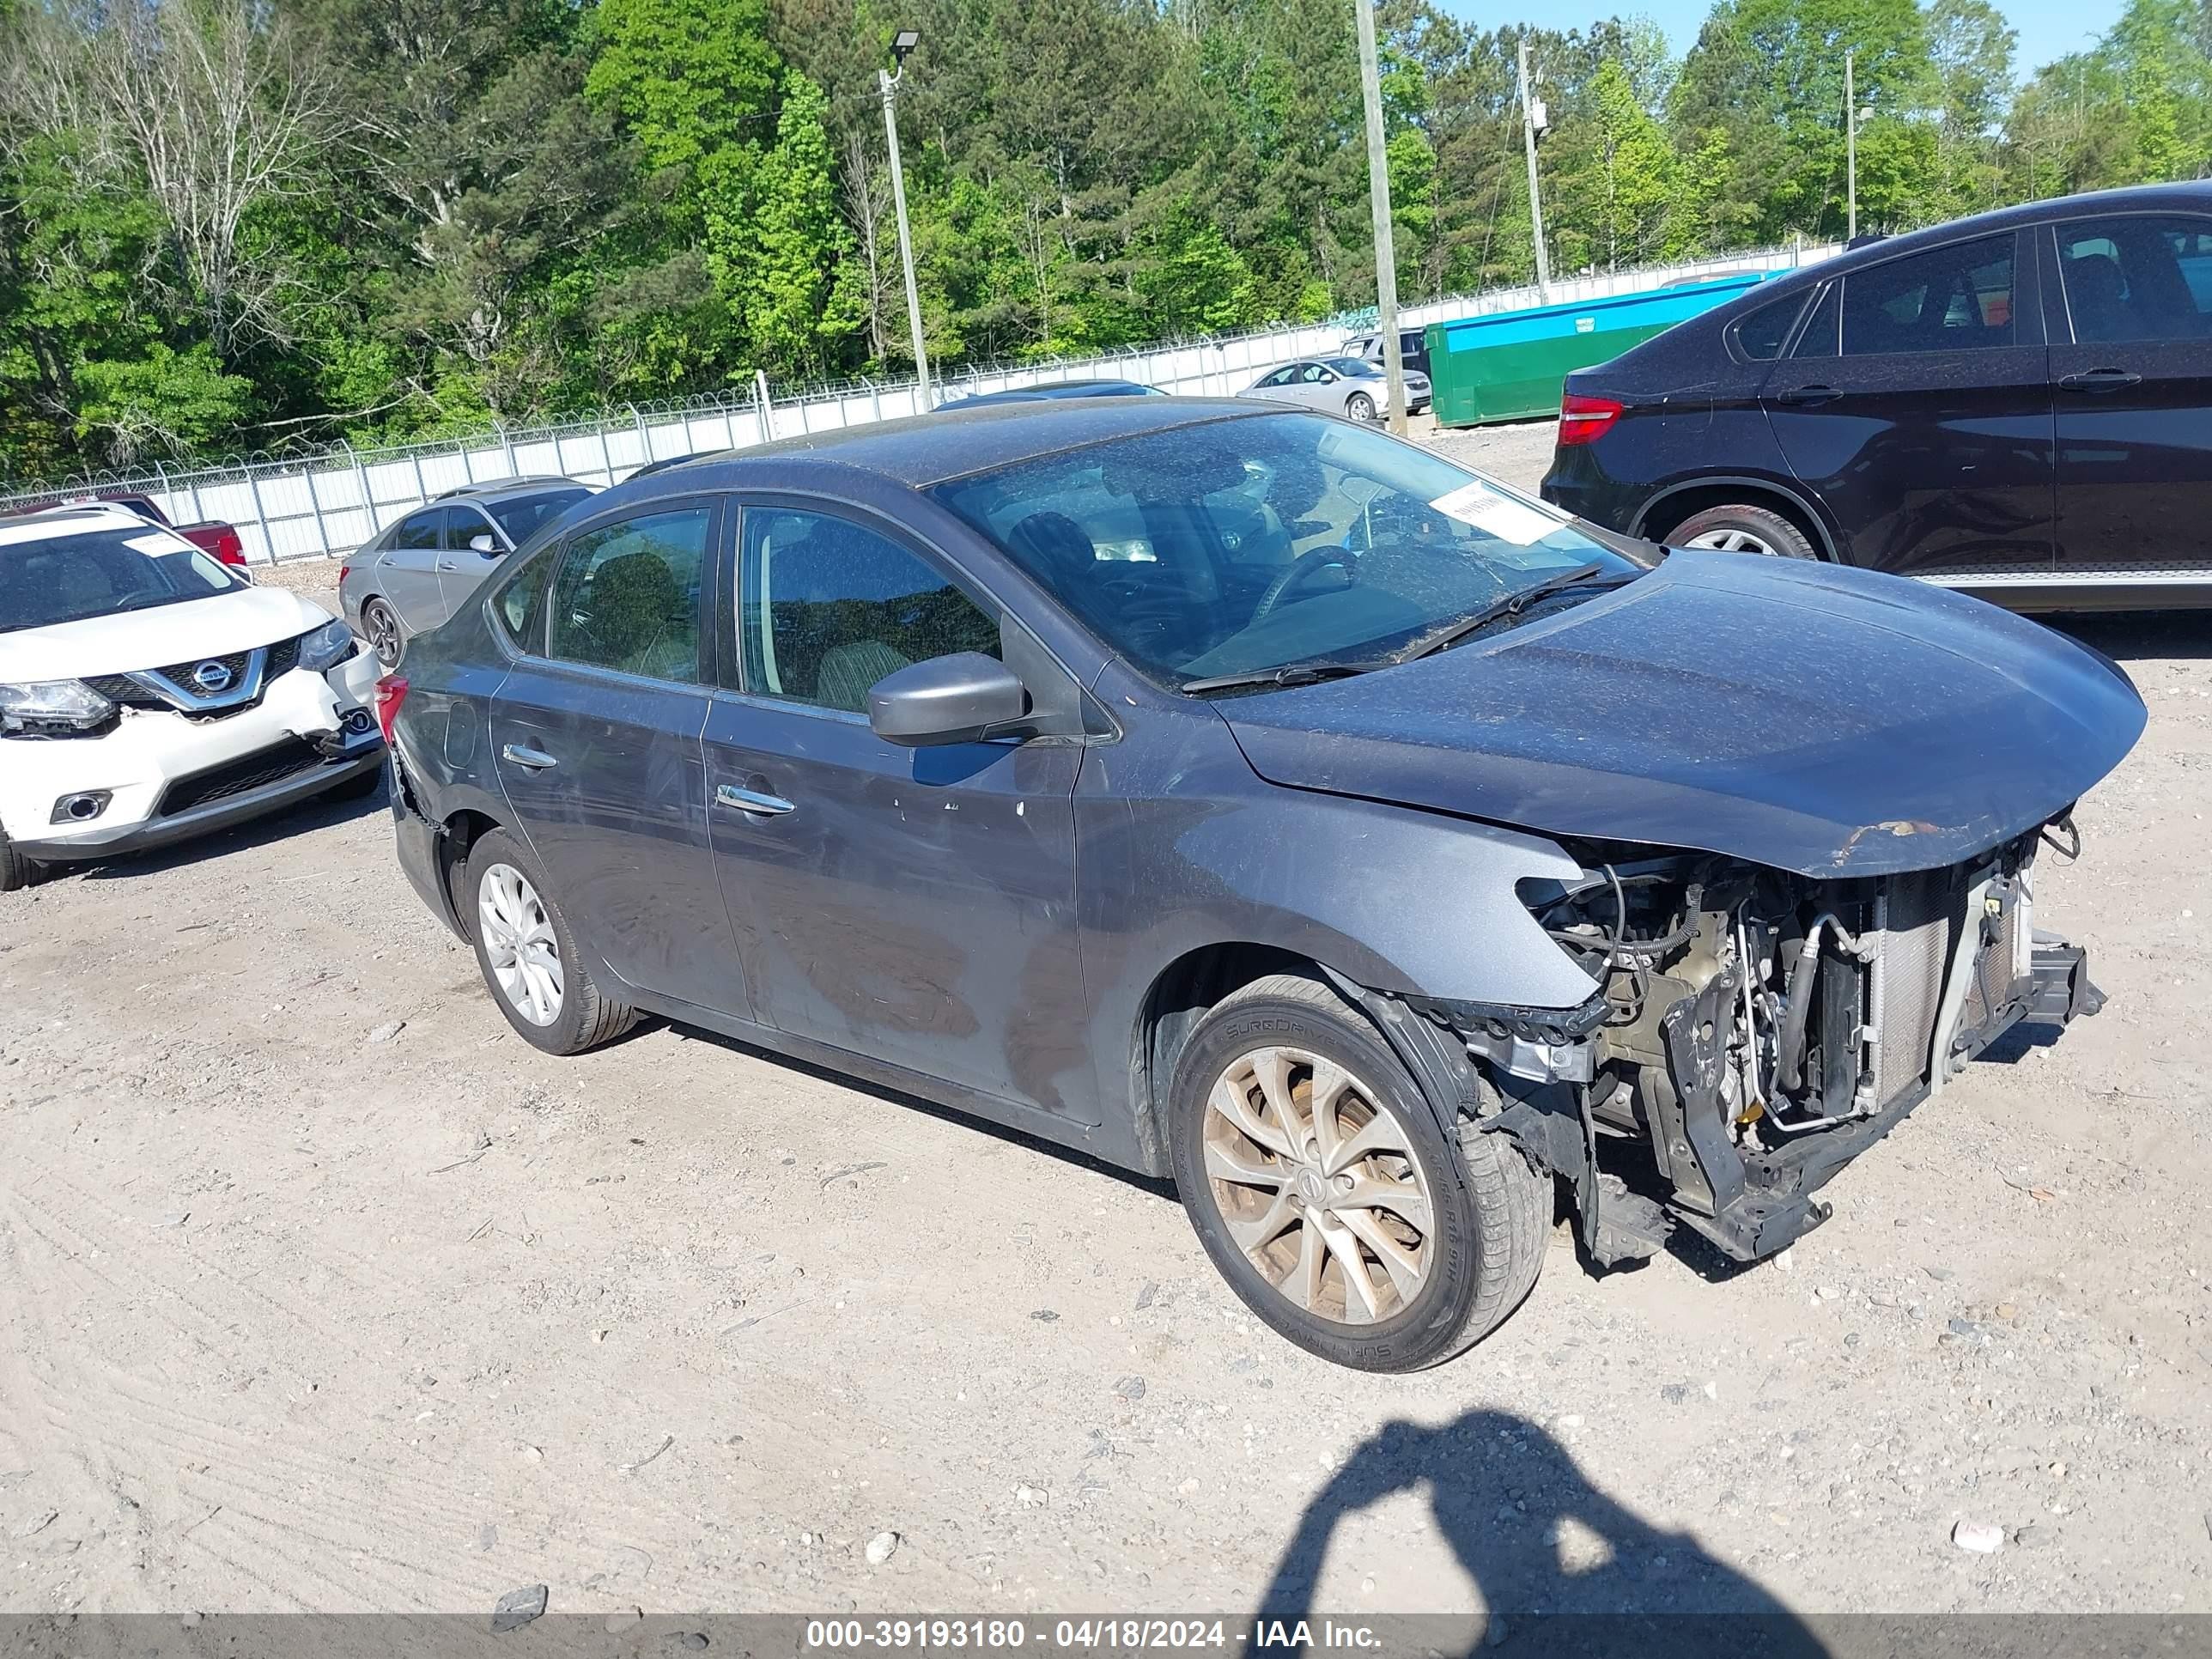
(923, 449)
(46, 524)
(499, 487)
(2132, 198)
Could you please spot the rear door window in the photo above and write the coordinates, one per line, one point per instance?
(420, 532)
(627, 595)
(1820, 336)
(1949, 298)
(2137, 277)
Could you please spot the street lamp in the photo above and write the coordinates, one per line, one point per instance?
(903, 45)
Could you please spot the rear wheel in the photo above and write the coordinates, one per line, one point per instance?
(1324, 1191)
(1359, 407)
(1742, 528)
(528, 957)
(381, 624)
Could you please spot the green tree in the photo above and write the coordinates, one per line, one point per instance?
(687, 77)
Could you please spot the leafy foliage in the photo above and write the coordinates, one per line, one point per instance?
(230, 225)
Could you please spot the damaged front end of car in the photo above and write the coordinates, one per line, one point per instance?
(1754, 1029)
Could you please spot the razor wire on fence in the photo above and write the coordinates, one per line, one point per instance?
(316, 504)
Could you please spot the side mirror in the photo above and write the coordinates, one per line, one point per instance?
(955, 699)
(485, 542)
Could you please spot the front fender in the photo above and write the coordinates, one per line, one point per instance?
(1184, 848)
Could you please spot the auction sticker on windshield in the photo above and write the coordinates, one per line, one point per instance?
(1497, 514)
(158, 541)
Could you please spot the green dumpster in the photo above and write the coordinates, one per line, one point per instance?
(1510, 367)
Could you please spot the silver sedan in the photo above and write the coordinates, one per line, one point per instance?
(415, 574)
(1350, 387)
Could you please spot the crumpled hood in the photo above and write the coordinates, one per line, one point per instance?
(1817, 719)
(158, 637)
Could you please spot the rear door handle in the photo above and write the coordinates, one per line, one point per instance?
(750, 801)
(2100, 379)
(1805, 397)
(521, 754)
(443, 565)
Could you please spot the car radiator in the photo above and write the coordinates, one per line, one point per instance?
(1918, 917)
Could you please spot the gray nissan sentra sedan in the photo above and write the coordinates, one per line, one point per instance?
(1245, 797)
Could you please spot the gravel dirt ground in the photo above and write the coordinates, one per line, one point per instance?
(320, 1290)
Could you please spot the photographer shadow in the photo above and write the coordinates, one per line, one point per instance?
(1559, 1566)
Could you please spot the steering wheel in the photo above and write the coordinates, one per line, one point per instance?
(1302, 570)
(1150, 616)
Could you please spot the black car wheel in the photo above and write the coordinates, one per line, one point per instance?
(14, 869)
(1325, 1192)
(360, 787)
(382, 627)
(1742, 529)
(529, 958)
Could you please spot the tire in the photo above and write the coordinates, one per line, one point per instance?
(360, 787)
(14, 869)
(1742, 529)
(1488, 1210)
(582, 1016)
(1359, 407)
(380, 625)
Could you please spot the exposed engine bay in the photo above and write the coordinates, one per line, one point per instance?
(1755, 1029)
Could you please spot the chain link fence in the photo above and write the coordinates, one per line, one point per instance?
(312, 506)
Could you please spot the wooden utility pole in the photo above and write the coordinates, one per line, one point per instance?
(1378, 198)
(1530, 110)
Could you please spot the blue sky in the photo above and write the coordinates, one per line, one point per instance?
(2049, 29)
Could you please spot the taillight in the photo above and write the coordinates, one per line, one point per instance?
(229, 547)
(345, 570)
(390, 692)
(1585, 420)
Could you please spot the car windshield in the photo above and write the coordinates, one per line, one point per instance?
(99, 573)
(520, 517)
(1246, 545)
(1357, 367)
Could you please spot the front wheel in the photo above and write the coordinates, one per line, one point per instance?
(15, 870)
(1359, 407)
(360, 787)
(1742, 529)
(1327, 1194)
(528, 957)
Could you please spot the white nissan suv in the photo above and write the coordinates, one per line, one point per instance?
(148, 693)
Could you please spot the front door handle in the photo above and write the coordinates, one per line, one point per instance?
(750, 801)
(1806, 397)
(521, 754)
(443, 565)
(2100, 379)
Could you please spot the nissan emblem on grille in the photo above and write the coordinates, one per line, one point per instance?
(211, 677)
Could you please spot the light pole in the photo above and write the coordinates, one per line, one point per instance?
(1378, 198)
(902, 45)
(1532, 120)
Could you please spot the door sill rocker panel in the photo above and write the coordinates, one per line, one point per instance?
(1065, 1130)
